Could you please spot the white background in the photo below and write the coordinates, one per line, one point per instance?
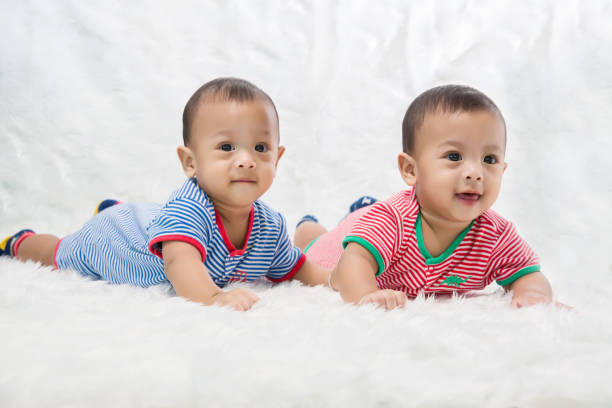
(92, 93)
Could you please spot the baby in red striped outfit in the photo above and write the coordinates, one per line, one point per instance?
(439, 236)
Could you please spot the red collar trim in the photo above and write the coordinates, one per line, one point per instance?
(228, 244)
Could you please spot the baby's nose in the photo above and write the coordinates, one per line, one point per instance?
(245, 160)
(473, 172)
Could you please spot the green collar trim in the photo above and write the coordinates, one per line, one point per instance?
(430, 260)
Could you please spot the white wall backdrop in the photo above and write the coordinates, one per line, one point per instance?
(91, 97)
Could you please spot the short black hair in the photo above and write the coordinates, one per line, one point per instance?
(222, 89)
(447, 99)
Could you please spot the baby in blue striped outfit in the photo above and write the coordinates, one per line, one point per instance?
(213, 230)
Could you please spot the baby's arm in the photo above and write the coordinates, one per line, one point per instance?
(355, 278)
(530, 289)
(312, 274)
(190, 278)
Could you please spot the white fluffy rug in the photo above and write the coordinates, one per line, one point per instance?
(68, 341)
(91, 95)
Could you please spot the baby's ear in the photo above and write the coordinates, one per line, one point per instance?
(187, 160)
(281, 151)
(407, 167)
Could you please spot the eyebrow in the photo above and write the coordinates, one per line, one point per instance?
(230, 132)
(454, 144)
(451, 144)
(494, 147)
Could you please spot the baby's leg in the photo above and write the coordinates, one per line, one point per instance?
(307, 231)
(39, 248)
(28, 246)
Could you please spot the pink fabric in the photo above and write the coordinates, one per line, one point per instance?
(327, 249)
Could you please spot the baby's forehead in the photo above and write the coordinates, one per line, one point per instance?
(221, 112)
(206, 102)
(445, 124)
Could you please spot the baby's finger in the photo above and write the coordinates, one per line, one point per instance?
(401, 299)
(390, 300)
(365, 300)
(237, 306)
(248, 295)
(251, 302)
(245, 303)
(518, 303)
(563, 305)
(379, 300)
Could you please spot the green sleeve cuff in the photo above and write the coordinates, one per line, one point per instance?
(519, 274)
(371, 248)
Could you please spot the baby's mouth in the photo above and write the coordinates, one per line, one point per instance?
(468, 197)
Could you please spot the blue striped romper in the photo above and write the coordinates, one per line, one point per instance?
(122, 244)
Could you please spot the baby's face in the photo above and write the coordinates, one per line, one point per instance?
(459, 164)
(235, 147)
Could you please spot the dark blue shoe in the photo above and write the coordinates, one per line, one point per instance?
(362, 202)
(305, 218)
(104, 204)
(9, 244)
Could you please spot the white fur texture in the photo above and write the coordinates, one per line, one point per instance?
(91, 96)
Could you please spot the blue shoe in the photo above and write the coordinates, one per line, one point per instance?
(305, 218)
(104, 204)
(9, 244)
(362, 202)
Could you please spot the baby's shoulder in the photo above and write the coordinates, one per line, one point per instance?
(492, 222)
(404, 204)
(191, 198)
(188, 204)
(267, 216)
(190, 191)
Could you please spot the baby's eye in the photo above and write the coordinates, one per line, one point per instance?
(261, 148)
(453, 156)
(226, 147)
(490, 159)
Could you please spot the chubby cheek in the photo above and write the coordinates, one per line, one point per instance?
(428, 195)
(212, 170)
(494, 180)
(268, 173)
(437, 196)
(443, 182)
(493, 194)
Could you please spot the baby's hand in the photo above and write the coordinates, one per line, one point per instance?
(526, 299)
(387, 298)
(238, 299)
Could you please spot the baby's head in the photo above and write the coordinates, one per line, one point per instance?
(454, 142)
(231, 141)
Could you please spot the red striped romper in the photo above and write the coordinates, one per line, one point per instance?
(488, 250)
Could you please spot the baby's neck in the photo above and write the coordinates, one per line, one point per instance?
(438, 234)
(235, 222)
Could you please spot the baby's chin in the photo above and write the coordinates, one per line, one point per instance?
(234, 200)
(463, 217)
(242, 200)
